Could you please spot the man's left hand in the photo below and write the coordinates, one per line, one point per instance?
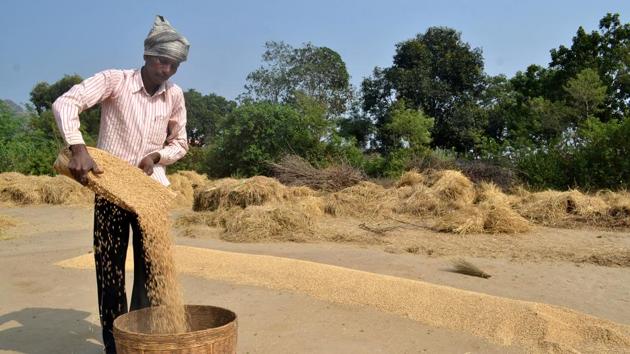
(148, 162)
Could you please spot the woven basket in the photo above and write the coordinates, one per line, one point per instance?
(213, 331)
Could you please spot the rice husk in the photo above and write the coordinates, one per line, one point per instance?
(130, 188)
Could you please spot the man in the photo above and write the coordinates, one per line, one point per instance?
(143, 121)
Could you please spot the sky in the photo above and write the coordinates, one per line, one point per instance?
(44, 40)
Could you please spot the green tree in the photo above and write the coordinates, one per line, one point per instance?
(586, 93)
(256, 133)
(204, 114)
(410, 127)
(608, 52)
(437, 72)
(43, 95)
(318, 72)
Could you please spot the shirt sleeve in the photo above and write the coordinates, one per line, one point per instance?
(176, 144)
(80, 97)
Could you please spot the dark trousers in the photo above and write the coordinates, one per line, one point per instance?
(111, 237)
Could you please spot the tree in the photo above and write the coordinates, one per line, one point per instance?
(410, 127)
(586, 93)
(204, 114)
(606, 51)
(43, 95)
(318, 72)
(256, 133)
(436, 72)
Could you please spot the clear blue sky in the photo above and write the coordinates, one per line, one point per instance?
(43, 40)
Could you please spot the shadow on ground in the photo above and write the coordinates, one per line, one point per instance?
(38, 330)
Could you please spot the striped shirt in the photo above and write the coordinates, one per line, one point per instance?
(133, 123)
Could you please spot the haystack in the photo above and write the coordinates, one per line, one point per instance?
(228, 193)
(275, 222)
(18, 189)
(365, 199)
(466, 220)
(419, 200)
(452, 187)
(196, 179)
(561, 208)
(618, 202)
(410, 178)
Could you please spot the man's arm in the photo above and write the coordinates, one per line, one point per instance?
(67, 108)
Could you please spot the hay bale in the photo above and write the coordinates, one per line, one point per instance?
(410, 178)
(258, 223)
(365, 199)
(560, 208)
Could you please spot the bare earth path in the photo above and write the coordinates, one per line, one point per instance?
(46, 309)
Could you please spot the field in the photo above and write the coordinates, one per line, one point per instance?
(566, 249)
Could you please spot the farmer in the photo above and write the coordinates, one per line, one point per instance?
(143, 121)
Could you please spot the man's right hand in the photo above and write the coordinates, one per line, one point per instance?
(81, 163)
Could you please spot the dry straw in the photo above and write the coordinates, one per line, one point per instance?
(19, 189)
(227, 193)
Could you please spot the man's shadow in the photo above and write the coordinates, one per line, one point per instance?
(47, 330)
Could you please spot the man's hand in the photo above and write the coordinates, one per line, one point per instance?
(148, 162)
(81, 163)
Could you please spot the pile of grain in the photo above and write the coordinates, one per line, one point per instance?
(128, 187)
(536, 327)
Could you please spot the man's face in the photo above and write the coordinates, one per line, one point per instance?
(160, 69)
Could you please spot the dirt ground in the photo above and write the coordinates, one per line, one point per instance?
(48, 309)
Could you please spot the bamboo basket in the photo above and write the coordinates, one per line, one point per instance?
(213, 331)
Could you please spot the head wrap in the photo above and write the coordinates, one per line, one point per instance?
(164, 41)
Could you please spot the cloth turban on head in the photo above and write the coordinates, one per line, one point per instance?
(164, 41)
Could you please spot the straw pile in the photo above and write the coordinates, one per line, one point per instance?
(256, 209)
(365, 200)
(128, 187)
(536, 327)
(184, 184)
(227, 193)
(555, 208)
(18, 189)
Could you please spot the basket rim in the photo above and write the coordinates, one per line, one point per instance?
(125, 332)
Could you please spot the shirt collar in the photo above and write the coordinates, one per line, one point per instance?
(138, 85)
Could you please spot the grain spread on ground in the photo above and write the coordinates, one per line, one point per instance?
(537, 327)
